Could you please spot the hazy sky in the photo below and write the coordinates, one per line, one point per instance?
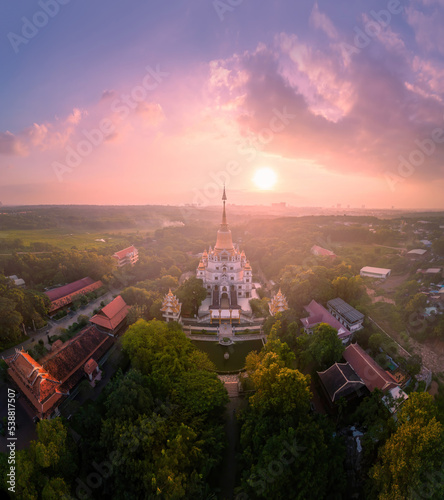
(151, 101)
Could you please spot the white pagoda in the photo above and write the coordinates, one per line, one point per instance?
(227, 276)
(171, 307)
(278, 303)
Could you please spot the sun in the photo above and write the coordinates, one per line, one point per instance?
(265, 178)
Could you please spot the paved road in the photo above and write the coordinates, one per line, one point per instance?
(53, 326)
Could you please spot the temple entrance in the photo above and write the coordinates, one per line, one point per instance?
(224, 302)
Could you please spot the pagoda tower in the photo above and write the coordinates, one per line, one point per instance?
(226, 274)
(278, 303)
(171, 307)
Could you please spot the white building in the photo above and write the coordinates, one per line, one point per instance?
(171, 307)
(17, 281)
(346, 314)
(127, 256)
(375, 272)
(227, 276)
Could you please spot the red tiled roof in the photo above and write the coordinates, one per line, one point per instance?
(46, 384)
(63, 301)
(317, 250)
(90, 366)
(121, 254)
(42, 390)
(367, 368)
(112, 314)
(318, 314)
(63, 291)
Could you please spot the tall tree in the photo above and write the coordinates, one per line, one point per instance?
(191, 294)
(325, 347)
(410, 463)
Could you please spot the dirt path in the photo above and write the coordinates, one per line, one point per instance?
(372, 294)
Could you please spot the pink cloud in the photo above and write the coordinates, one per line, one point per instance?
(320, 21)
(381, 118)
(11, 145)
(428, 27)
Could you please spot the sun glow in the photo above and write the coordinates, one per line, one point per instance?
(265, 178)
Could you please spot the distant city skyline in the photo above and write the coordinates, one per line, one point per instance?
(143, 103)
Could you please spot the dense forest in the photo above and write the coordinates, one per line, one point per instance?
(157, 429)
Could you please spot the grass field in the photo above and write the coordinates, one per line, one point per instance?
(238, 352)
(66, 239)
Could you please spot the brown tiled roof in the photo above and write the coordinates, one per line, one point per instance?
(75, 353)
(56, 345)
(112, 315)
(75, 378)
(367, 368)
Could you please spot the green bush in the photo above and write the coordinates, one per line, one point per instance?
(421, 386)
(382, 360)
(60, 314)
(83, 320)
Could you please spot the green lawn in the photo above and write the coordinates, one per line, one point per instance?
(238, 352)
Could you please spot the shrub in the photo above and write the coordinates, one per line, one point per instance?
(60, 314)
(382, 360)
(82, 320)
(421, 386)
